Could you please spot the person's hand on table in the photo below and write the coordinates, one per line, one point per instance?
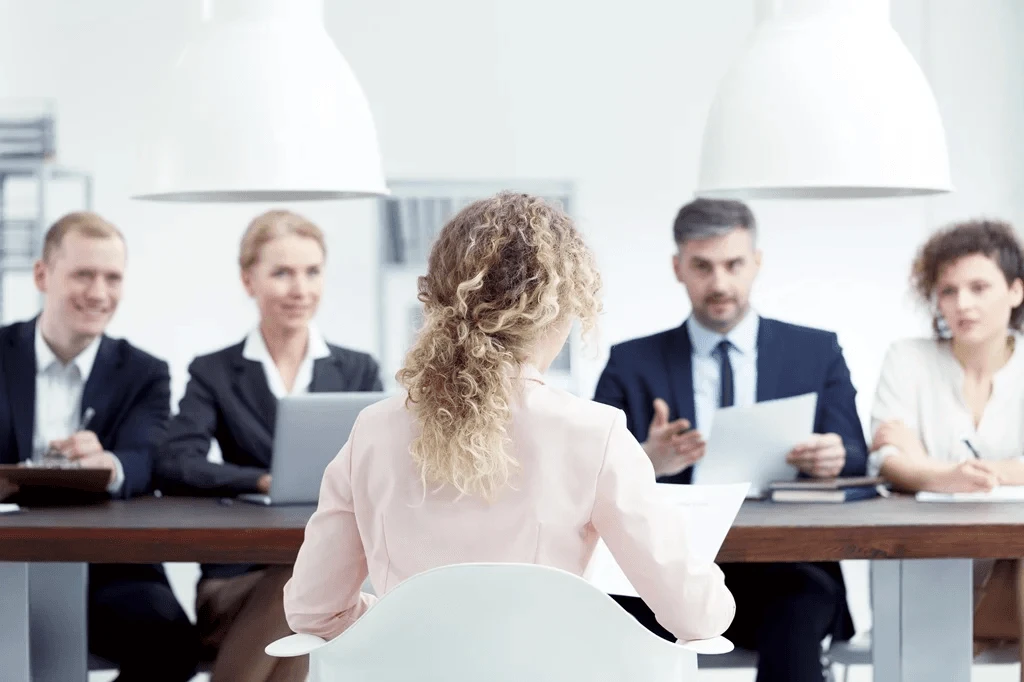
(900, 436)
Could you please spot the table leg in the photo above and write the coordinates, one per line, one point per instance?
(14, 644)
(57, 617)
(922, 613)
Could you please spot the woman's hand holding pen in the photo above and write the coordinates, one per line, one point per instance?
(1006, 471)
(972, 476)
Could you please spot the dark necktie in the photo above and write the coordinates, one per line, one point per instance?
(725, 393)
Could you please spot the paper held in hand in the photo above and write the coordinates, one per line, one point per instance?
(750, 442)
(710, 511)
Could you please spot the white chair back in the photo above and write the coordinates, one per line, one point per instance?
(500, 623)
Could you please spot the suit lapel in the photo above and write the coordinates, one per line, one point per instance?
(769, 361)
(679, 360)
(250, 384)
(329, 376)
(19, 369)
(102, 385)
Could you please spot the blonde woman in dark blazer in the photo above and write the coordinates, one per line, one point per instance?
(231, 397)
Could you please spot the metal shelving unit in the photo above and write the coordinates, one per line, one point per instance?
(28, 173)
(21, 234)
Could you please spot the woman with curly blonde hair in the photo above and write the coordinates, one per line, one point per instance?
(480, 460)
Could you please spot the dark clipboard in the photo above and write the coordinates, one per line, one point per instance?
(85, 480)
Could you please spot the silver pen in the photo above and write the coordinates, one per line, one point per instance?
(86, 418)
(83, 424)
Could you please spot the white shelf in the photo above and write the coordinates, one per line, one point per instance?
(409, 220)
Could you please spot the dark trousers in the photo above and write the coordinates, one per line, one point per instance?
(136, 622)
(783, 612)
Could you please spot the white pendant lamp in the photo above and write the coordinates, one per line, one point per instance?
(260, 106)
(824, 102)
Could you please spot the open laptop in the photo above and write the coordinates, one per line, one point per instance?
(311, 428)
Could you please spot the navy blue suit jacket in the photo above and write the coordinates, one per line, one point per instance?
(791, 360)
(129, 390)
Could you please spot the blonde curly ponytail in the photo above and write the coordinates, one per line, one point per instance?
(501, 273)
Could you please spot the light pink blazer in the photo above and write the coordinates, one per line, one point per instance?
(582, 476)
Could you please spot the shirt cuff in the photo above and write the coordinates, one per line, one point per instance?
(115, 485)
(876, 458)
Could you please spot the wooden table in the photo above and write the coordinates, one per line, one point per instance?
(151, 530)
(917, 636)
(893, 528)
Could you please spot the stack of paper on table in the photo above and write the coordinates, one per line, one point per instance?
(710, 511)
(1003, 493)
(811, 490)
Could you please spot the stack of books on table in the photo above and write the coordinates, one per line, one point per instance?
(826, 489)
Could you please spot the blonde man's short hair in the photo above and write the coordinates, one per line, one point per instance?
(271, 225)
(85, 223)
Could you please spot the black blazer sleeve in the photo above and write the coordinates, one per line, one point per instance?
(371, 376)
(622, 385)
(838, 412)
(353, 371)
(142, 430)
(182, 467)
(610, 388)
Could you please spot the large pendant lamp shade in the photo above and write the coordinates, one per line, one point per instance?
(824, 102)
(260, 106)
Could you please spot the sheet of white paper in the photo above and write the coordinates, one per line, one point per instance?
(1005, 493)
(750, 443)
(710, 512)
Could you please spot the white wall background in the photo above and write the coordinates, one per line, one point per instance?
(609, 95)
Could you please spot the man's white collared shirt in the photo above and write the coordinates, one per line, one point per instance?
(58, 406)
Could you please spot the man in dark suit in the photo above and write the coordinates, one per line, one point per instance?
(670, 384)
(68, 390)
